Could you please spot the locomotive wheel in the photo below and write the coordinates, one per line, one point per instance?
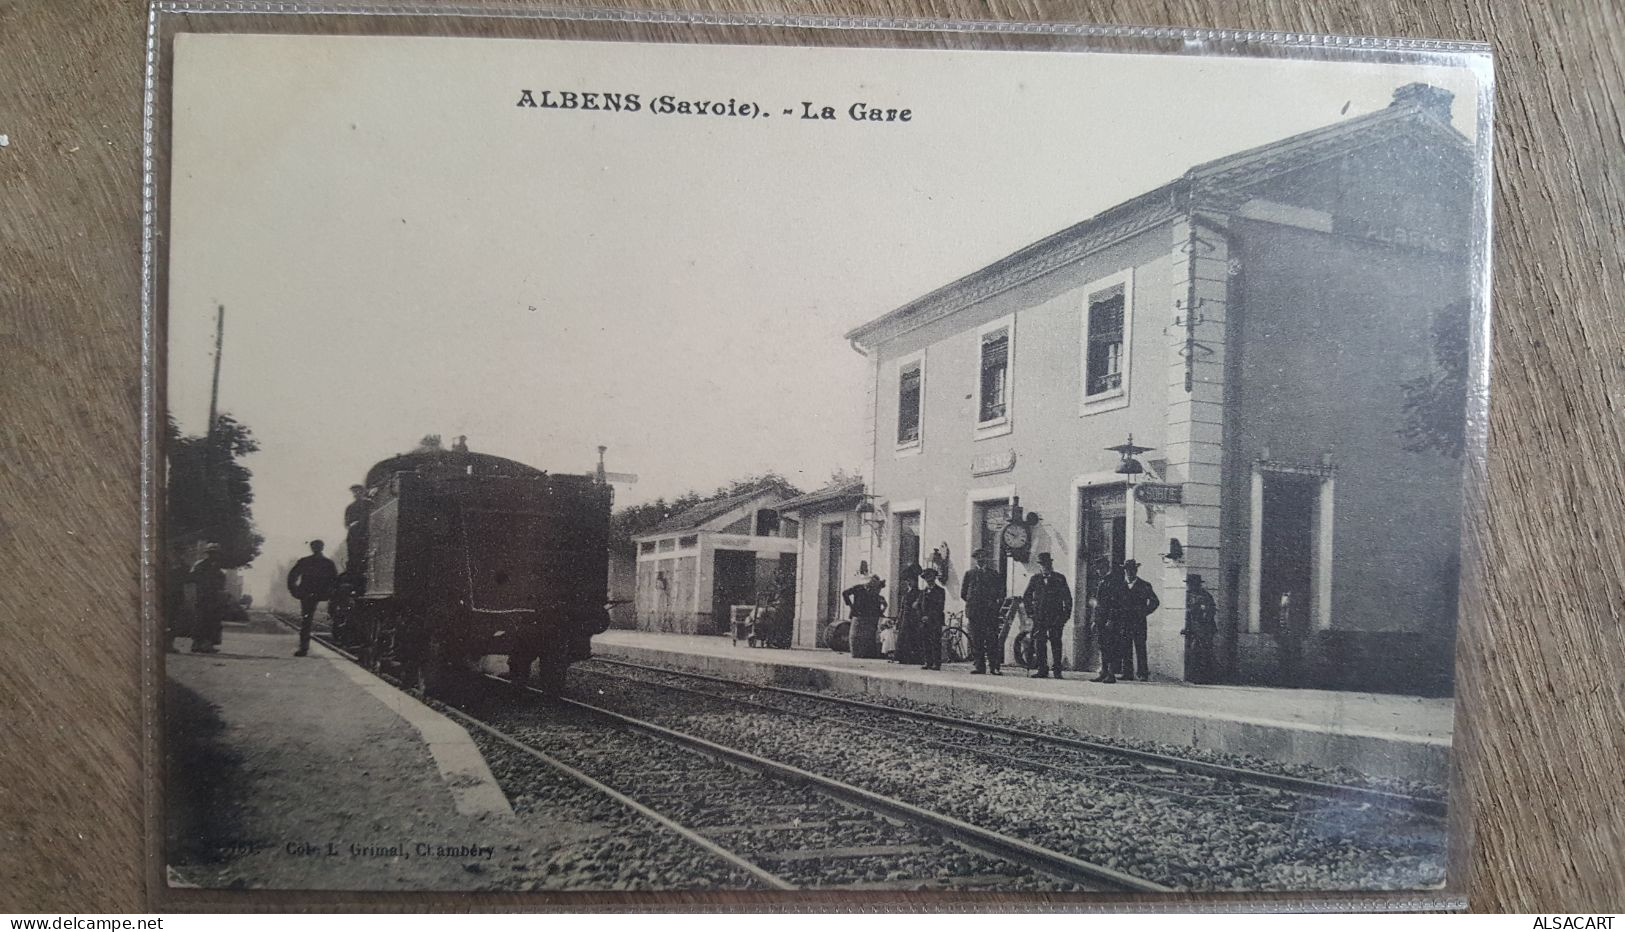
(373, 646)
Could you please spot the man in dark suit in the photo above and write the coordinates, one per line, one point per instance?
(1108, 621)
(1048, 602)
(355, 530)
(1200, 613)
(311, 581)
(931, 602)
(1139, 601)
(983, 592)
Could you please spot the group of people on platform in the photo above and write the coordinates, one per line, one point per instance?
(1121, 603)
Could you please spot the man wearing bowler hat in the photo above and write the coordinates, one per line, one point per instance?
(983, 592)
(1200, 612)
(1139, 601)
(1048, 602)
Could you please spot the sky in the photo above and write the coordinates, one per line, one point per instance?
(401, 250)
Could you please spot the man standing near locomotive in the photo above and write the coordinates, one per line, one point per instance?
(1048, 602)
(982, 591)
(1139, 601)
(931, 605)
(311, 581)
(355, 531)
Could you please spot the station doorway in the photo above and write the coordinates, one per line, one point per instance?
(1102, 548)
(734, 583)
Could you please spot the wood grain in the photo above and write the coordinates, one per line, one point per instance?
(1542, 692)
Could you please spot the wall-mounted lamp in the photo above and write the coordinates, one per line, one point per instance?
(871, 516)
(1129, 467)
(1176, 551)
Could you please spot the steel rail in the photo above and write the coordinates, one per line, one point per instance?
(687, 834)
(1054, 863)
(1127, 782)
(682, 831)
(1419, 805)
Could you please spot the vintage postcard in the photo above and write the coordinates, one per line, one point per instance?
(653, 466)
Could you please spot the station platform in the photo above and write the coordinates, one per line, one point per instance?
(308, 773)
(1397, 737)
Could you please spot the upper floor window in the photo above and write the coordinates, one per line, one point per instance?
(995, 380)
(647, 546)
(1108, 324)
(689, 542)
(910, 388)
(1105, 363)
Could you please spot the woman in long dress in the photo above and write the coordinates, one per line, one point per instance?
(908, 616)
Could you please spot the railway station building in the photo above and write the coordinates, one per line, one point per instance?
(694, 567)
(1211, 378)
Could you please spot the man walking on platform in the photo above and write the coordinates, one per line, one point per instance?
(1048, 602)
(1139, 601)
(983, 592)
(931, 602)
(311, 581)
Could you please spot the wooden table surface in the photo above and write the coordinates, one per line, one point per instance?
(1541, 725)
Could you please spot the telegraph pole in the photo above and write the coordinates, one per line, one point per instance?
(214, 391)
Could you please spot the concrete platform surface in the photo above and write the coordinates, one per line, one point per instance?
(308, 773)
(1402, 737)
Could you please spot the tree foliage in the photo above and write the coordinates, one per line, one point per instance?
(633, 520)
(211, 492)
(1435, 412)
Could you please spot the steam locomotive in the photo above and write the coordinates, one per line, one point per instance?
(463, 555)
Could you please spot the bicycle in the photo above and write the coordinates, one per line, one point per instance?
(955, 641)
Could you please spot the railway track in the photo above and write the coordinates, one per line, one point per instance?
(780, 826)
(800, 828)
(1267, 793)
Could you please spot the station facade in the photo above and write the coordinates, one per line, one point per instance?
(1260, 325)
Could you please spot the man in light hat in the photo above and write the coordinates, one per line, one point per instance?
(1139, 600)
(983, 592)
(1048, 602)
(208, 579)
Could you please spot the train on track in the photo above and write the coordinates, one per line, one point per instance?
(459, 555)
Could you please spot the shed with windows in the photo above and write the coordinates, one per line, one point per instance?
(695, 567)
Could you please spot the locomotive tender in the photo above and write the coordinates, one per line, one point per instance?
(468, 555)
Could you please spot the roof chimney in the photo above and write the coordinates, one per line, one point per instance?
(1430, 99)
